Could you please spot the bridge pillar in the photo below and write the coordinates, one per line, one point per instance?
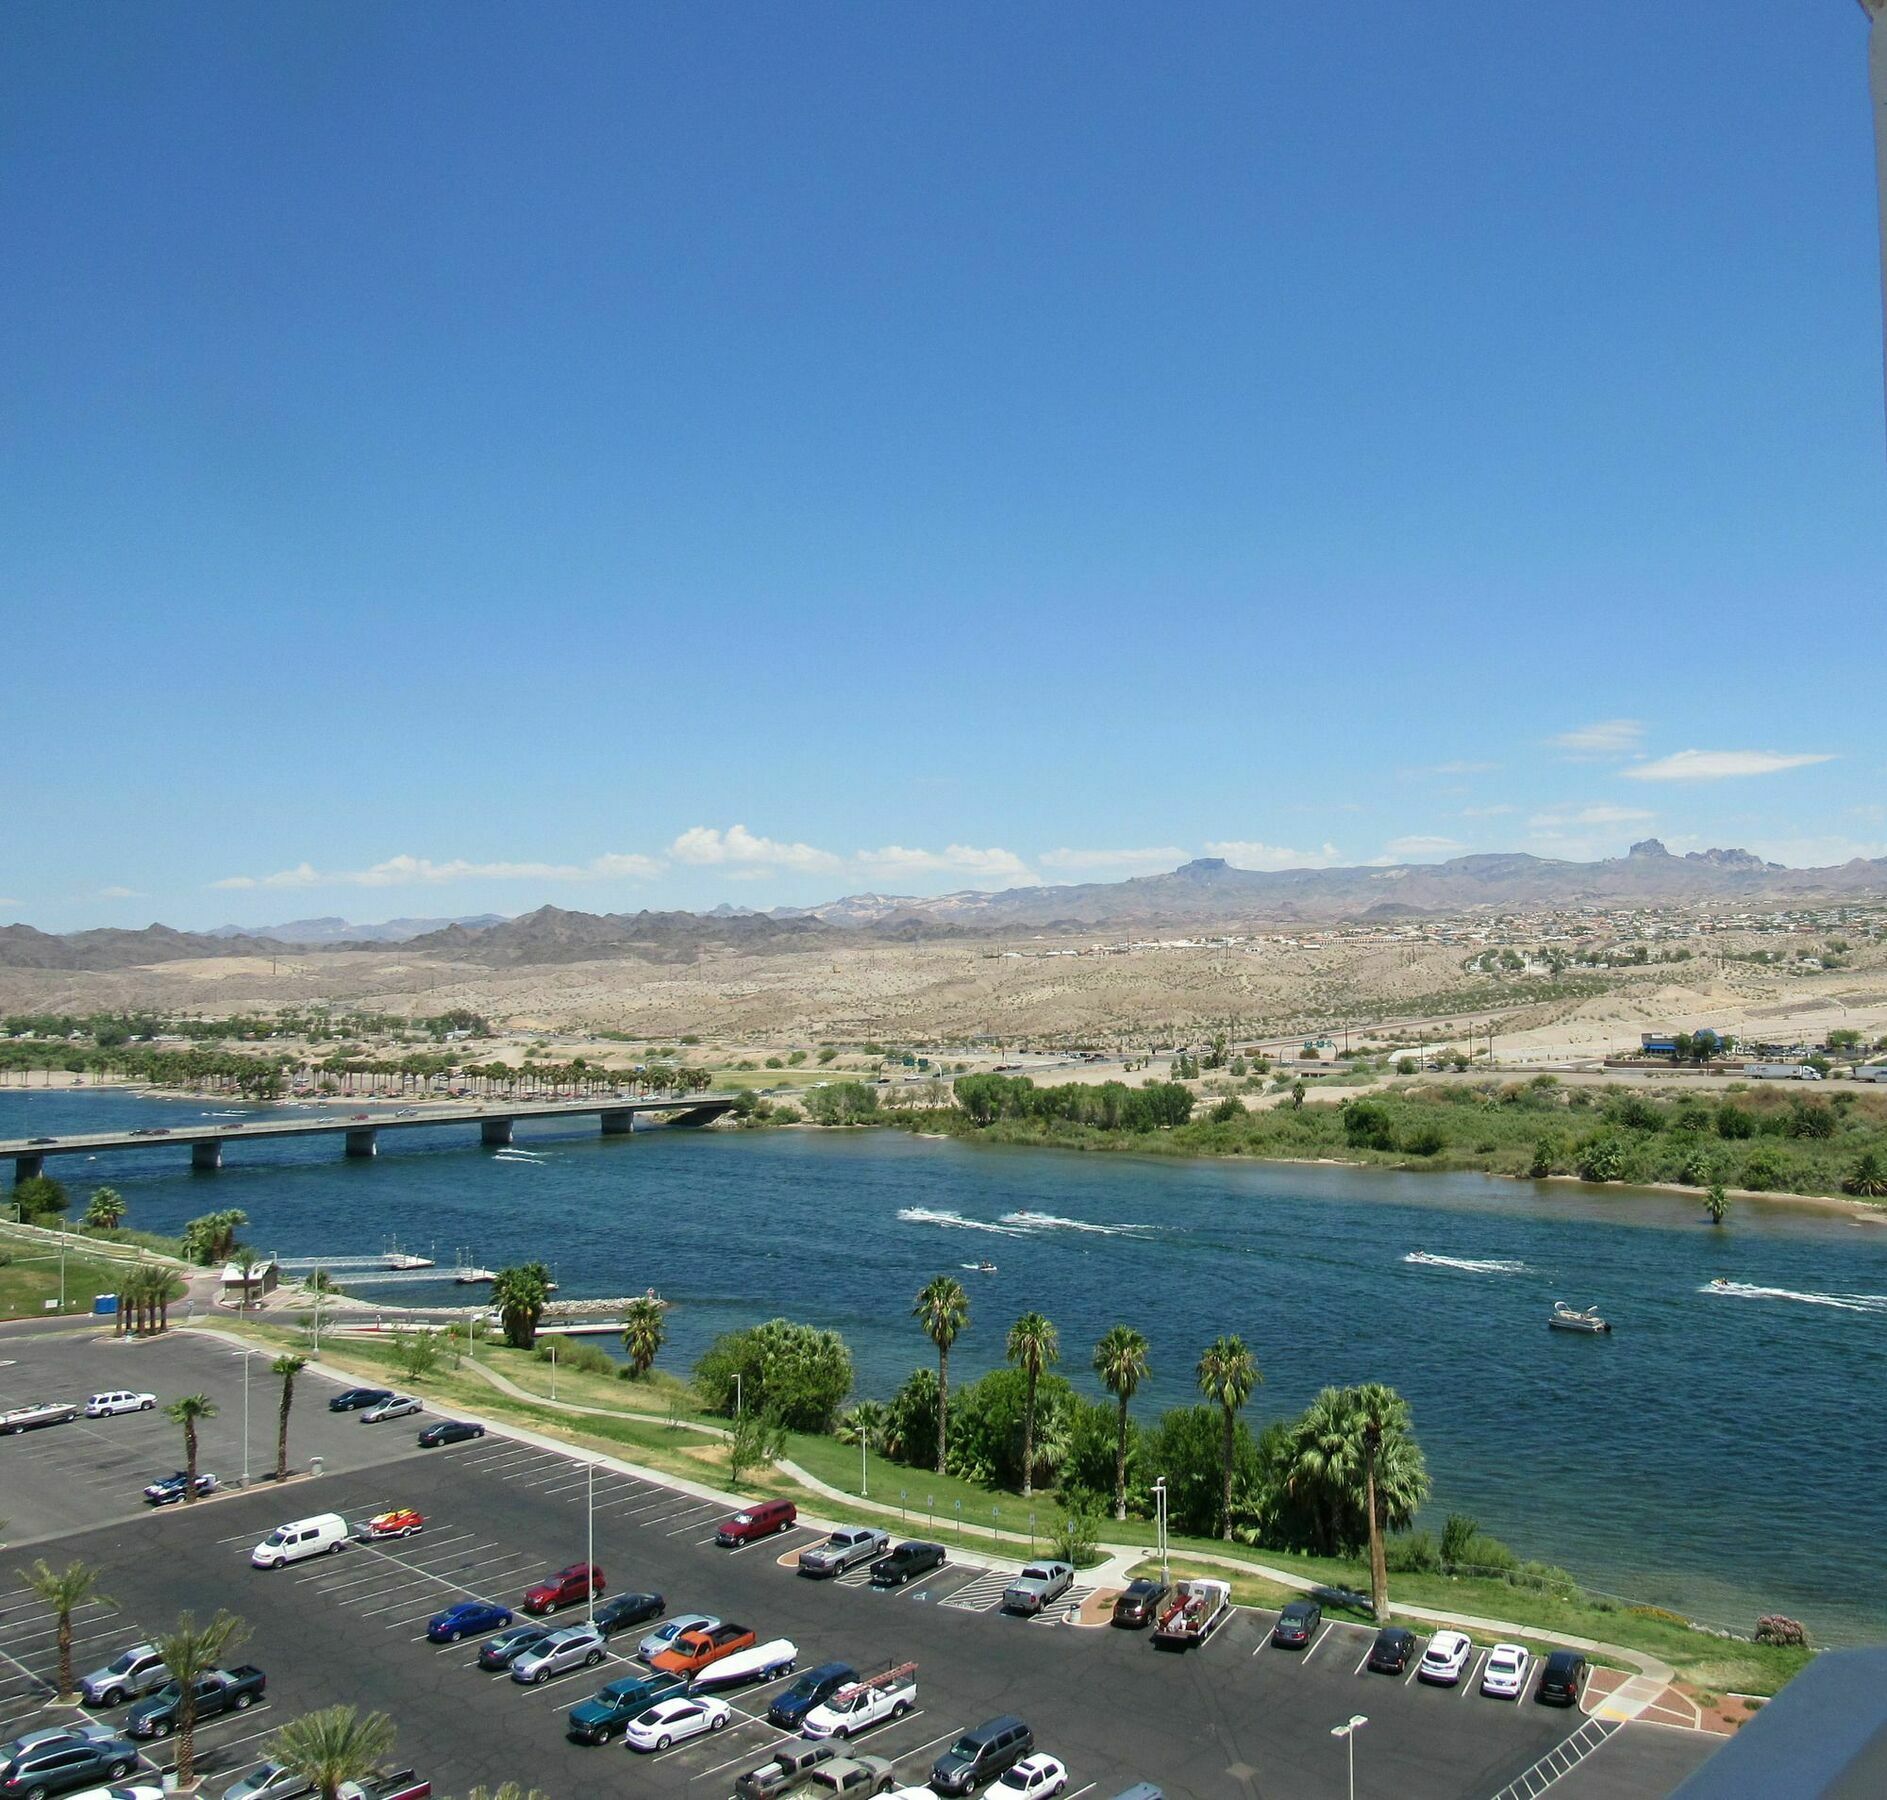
(26, 1167)
(495, 1133)
(207, 1153)
(362, 1141)
(615, 1123)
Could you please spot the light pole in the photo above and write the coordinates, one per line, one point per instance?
(864, 1439)
(1159, 1502)
(553, 1368)
(245, 1418)
(737, 1394)
(589, 1549)
(62, 1267)
(1348, 1734)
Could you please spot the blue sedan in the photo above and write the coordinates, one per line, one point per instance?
(467, 1619)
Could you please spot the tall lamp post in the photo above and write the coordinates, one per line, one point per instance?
(1159, 1501)
(245, 1418)
(1348, 1734)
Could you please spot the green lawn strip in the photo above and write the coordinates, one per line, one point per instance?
(31, 1278)
(1699, 1656)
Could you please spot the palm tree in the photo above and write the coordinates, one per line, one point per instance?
(644, 1328)
(104, 1211)
(1227, 1374)
(287, 1366)
(64, 1591)
(1359, 1445)
(333, 1746)
(190, 1652)
(943, 1308)
(189, 1412)
(520, 1295)
(866, 1421)
(245, 1260)
(1033, 1345)
(1120, 1359)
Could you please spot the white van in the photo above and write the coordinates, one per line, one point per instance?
(304, 1537)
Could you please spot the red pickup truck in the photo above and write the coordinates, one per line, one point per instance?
(578, 1582)
(690, 1653)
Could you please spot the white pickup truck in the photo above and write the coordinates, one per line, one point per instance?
(40, 1412)
(857, 1708)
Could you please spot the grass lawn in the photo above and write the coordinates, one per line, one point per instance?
(31, 1278)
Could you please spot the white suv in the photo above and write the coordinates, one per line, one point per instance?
(1446, 1656)
(1504, 1673)
(118, 1400)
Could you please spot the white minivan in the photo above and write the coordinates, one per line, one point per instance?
(304, 1537)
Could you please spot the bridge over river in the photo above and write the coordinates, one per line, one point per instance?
(360, 1132)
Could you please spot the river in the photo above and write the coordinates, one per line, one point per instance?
(1718, 1454)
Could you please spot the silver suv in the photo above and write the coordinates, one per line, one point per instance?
(573, 1647)
(130, 1675)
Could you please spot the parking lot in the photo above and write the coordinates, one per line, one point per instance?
(1236, 1716)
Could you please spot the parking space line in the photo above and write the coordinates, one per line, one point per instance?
(1415, 1667)
(693, 1524)
(1467, 1674)
(1329, 1626)
(1363, 1660)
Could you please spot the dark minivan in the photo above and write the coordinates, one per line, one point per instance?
(981, 1755)
(913, 1558)
(1390, 1653)
(1297, 1624)
(1561, 1679)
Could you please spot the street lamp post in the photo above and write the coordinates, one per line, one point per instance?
(553, 1368)
(589, 1549)
(1348, 1734)
(1159, 1502)
(864, 1439)
(245, 1418)
(736, 1393)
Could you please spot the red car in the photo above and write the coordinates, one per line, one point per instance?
(757, 1521)
(578, 1582)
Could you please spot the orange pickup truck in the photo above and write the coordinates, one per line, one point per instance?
(690, 1653)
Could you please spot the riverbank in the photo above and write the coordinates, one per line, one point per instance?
(1755, 1143)
(662, 1425)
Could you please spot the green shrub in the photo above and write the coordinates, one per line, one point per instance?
(1762, 1169)
(1427, 1139)
(575, 1353)
(1602, 1159)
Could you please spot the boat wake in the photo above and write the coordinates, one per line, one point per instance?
(1488, 1265)
(1041, 1221)
(1749, 1290)
(523, 1156)
(926, 1215)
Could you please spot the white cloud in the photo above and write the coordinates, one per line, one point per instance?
(1722, 765)
(1246, 853)
(1604, 737)
(1488, 812)
(1418, 846)
(955, 859)
(421, 871)
(1591, 815)
(703, 845)
(119, 893)
(1164, 857)
(1452, 768)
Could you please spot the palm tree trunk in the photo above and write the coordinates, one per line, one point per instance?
(187, 1735)
(281, 1429)
(1120, 1464)
(1378, 1558)
(1028, 1438)
(66, 1684)
(1225, 1497)
(943, 1403)
(190, 1462)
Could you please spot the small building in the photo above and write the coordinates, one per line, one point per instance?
(239, 1290)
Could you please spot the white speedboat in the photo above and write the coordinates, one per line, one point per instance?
(1570, 1318)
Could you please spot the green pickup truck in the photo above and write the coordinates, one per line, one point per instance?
(599, 1718)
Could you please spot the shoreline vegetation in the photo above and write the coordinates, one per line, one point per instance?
(1744, 1139)
(672, 1426)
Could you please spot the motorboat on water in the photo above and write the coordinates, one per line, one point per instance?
(1570, 1318)
(986, 1267)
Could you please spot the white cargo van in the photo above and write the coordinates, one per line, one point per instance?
(323, 1533)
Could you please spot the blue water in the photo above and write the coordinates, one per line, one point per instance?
(1718, 1454)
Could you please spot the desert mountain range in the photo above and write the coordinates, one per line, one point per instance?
(1205, 892)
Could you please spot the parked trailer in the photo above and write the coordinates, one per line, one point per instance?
(1197, 1609)
(41, 1412)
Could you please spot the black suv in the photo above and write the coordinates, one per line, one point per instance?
(353, 1399)
(908, 1559)
(1561, 1679)
(1390, 1653)
(981, 1755)
(60, 1764)
(1139, 1601)
(1297, 1624)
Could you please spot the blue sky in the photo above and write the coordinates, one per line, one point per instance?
(463, 456)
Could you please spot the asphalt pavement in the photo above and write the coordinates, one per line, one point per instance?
(1234, 1717)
